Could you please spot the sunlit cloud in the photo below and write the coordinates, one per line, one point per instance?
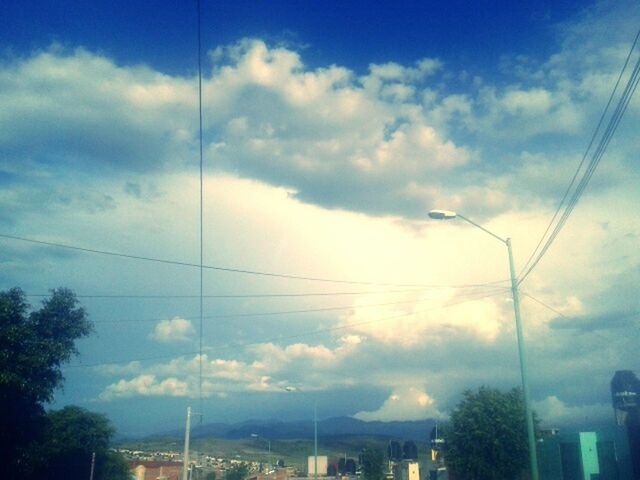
(406, 404)
(174, 330)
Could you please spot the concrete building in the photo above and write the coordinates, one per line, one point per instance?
(323, 465)
(154, 470)
(406, 470)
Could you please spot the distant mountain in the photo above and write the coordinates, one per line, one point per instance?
(332, 427)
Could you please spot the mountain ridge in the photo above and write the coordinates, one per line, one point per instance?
(417, 430)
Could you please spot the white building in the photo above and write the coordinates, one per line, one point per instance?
(323, 465)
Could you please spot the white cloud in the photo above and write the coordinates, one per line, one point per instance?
(175, 330)
(344, 169)
(145, 385)
(431, 318)
(552, 411)
(272, 369)
(405, 404)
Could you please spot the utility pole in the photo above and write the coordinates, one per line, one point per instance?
(93, 465)
(185, 463)
(315, 441)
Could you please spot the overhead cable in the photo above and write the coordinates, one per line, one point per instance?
(298, 311)
(235, 270)
(222, 346)
(602, 145)
(260, 295)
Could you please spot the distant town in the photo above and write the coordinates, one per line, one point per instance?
(604, 454)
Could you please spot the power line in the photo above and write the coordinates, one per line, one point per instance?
(612, 126)
(548, 307)
(274, 295)
(584, 157)
(290, 312)
(290, 337)
(557, 312)
(235, 270)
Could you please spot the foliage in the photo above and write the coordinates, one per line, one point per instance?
(373, 464)
(33, 346)
(237, 471)
(71, 436)
(487, 437)
(210, 476)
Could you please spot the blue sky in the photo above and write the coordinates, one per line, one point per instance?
(331, 128)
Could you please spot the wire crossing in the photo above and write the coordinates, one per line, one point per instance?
(602, 145)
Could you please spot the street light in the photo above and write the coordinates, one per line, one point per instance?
(256, 436)
(533, 456)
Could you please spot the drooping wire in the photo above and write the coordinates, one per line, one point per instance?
(559, 313)
(271, 295)
(612, 126)
(584, 156)
(236, 270)
(344, 326)
(298, 311)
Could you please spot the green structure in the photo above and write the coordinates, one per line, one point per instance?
(589, 455)
(584, 456)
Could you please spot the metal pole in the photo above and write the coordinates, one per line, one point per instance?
(315, 441)
(533, 454)
(93, 465)
(185, 462)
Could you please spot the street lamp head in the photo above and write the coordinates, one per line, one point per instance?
(442, 214)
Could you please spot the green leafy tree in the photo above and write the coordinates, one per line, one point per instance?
(237, 471)
(33, 346)
(210, 476)
(373, 464)
(487, 437)
(71, 437)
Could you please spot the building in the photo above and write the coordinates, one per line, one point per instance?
(625, 396)
(583, 456)
(323, 465)
(406, 470)
(154, 470)
(278, 474)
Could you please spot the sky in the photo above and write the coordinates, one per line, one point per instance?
(330, 129)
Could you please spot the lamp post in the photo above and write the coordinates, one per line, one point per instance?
(256, 436)
(533, 456)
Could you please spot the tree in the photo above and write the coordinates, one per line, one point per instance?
(487, 436)
(72, 435)
(237, 471)
(210, 476)
(373, 464)
(33, 346)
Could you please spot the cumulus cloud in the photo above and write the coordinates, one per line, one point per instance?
(406, 404)
(431, 318)
(174, 330)
(145, 385)
(318, 132)
(272, 369)
(553, 412)
(297, 154)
